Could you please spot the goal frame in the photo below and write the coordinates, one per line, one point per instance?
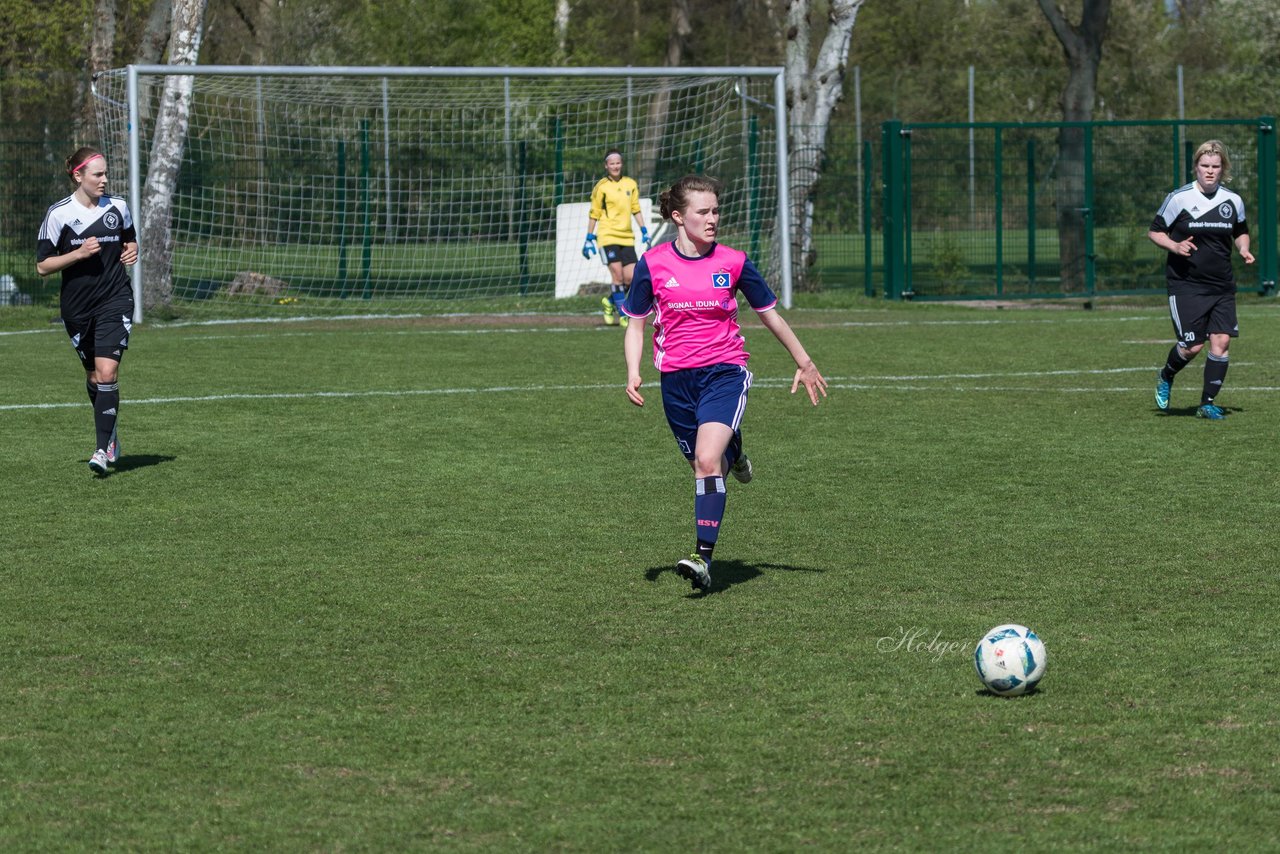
(777, 73)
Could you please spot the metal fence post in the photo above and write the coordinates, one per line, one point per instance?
(868, 286)
(907, 289)
(998, 180)
(1091, 222)
(1269, 257)
(891, 135)
(1031, 213)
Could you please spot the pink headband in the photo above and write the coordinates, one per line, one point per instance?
(85, 163)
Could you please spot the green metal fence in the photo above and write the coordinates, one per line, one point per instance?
(1002, 211)
(32, 180)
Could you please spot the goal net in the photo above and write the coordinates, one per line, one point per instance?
(345, 188)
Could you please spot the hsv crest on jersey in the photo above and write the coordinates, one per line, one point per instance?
(1225, 209)
(721, 280)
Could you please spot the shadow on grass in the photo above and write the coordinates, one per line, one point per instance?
(1190, 411)
(992, 695)
(727, 573)
(139, 461)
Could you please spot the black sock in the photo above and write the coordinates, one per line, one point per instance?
(92, 388)
(1173, 364)
(705, 549)
(1215, 371)
(105, 404)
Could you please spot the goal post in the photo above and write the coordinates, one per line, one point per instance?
(354, 188)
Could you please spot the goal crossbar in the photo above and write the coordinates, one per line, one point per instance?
(135, 142)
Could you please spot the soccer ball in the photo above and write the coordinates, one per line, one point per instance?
(1010, 660)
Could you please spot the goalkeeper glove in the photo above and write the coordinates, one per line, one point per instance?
(644, 237)
(589, 247)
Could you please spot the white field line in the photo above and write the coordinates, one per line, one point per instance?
(519, 330)
(12, 332)
(314, 333)
(1011, 389)
(525, 330)
(310, 395)
(924, 382)
(1009, 318)
(355, 319)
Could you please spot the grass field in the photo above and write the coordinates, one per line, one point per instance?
(407, 584)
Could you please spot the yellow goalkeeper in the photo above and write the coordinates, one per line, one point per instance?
(615, 200)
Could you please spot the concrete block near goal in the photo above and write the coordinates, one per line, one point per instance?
(572, 270)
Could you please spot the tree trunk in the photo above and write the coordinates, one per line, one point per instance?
(101, 55)
(677, 41)
(812, 95)
(265, 29)
(1082, 46)
(155, 37)
(156, 237)
(562, 31)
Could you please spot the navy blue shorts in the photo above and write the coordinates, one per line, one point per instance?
(716, 394)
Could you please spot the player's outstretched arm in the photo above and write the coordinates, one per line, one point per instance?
(632, 349)
(806, 371)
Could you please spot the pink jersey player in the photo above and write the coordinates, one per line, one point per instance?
(691, 285)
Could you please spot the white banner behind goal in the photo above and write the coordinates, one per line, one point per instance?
(346, 188)
(575, 273)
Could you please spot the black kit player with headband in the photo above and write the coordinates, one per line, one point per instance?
(90, 238)
(1198, 225)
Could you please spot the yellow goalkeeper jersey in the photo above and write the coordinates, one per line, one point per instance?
(613, 203)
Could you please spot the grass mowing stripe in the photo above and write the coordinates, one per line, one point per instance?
(887, 382)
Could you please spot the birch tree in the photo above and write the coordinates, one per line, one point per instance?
(1082, 45)
(562, 30)
(812, 94)
(156, 236)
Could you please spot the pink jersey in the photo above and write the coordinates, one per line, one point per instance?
(696, 304)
